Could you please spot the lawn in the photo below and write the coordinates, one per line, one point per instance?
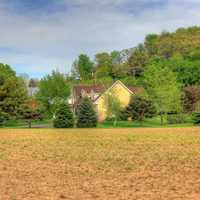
(104, 164)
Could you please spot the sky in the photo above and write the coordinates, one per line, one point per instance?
(37, 36)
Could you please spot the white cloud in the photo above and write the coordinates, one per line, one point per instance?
(45, 41)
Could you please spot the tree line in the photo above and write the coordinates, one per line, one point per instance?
(166, 65)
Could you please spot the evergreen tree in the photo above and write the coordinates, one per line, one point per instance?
(86, 115)
(31, 114)
(63, 117)
(139, 108)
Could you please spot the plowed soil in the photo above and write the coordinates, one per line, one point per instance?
(104, 164)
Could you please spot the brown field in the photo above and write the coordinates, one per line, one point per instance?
(112, 164)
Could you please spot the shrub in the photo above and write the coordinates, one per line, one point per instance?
(86, 115)
(196, 118)
(176, 118)
(63, 117)
(3, 118)
(140, 108)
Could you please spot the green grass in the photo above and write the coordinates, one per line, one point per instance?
(151, 123)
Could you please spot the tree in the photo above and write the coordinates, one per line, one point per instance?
(82, 68)
(191, 98)
(113, 107)
(163, 89)
(31, 111)
(103, 64)
(138, 61)
(13, 92)
(86, 115)
(51, 88)
(140, 108)
(63, 117)
(3, 118)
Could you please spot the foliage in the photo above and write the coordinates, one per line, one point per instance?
(51, 88)
(191, 98)
(31, 111)
(196, 118)
(63, 117)
(138, 61)
(113, 107)
(3, 118)
(140, 108)
(163, 89)
(175, 118)
(13, 91)
(86, 115)
(82, 68)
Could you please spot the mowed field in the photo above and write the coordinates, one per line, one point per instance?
(104, 164)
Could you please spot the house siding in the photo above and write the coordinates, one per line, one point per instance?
(122, 93)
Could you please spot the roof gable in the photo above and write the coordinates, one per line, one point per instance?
(131, 91)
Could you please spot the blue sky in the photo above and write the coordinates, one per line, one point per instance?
(41, 35)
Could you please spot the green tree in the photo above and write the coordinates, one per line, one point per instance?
(113, 107)
(140, 108)
(82, 68)
(163, 89)
(3, 118)
(86, 115)
(51, 88)
(31, 114)
(138, 61)
(13, 92)
(103, 65)
(63, 117)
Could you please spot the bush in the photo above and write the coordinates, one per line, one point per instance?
(140, 108)
(196, 118)
(86, 115)
(3, 118)
(63, 117)
(176, 118)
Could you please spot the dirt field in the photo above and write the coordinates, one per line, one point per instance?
(120, 164)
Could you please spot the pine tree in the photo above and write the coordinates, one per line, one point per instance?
(63, 117)
(140, 108)
(86, 115)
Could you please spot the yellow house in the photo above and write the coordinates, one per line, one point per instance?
(98, 94)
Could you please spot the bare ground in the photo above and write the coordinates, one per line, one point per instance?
(104, 164)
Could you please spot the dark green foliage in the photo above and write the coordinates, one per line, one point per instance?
(31, 114)
(138, 61)
(3, 118)
(13, 91)
(86, 115)
(63, 117)
(140, 108)
(196, 118)
(176, 118)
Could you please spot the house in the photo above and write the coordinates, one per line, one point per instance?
(97, 93)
